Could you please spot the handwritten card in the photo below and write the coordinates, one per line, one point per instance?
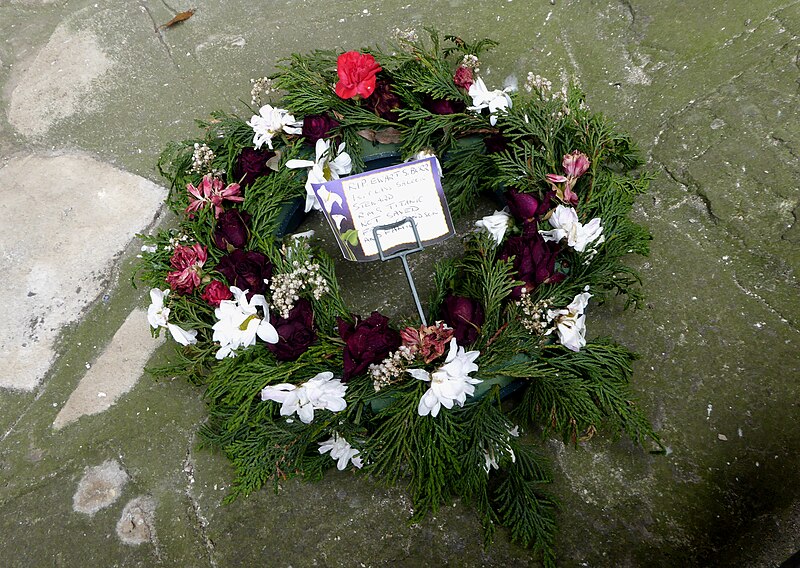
(356, 204)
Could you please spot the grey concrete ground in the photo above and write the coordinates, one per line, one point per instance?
(99, 464)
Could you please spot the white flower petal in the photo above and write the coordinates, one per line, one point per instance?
(182, 336)
(419, 374)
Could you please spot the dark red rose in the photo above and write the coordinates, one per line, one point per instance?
(246, 270)
(495, 143)
(383, 101)
(318, 126)
(534, 260)
(251, 165)
(368, 341)
(295, 333)
(231, 231)
(443, 106)
(526, 207)
(215, 292)
(356, 74)
(187, 262)
(464, 77)
(465, 316)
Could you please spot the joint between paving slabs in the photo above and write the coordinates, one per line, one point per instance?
(200, 522)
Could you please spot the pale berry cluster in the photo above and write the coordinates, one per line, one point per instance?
(408, 35)
(541, 84)
(471, 62)
(201, 159)
(534, 315)
(286, 288)
(176, 240)
(261, 88)
(391, 369)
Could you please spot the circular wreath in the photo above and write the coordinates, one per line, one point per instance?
(295, 383)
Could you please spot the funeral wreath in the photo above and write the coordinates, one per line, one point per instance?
(295, 383)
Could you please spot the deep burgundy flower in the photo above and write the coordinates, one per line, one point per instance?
(215, 291)
(356, 74)
(187, 263)
(231, 231)
(295, 333)
(534, 260)
(251, 165)
(464, 77)
(526, 207)
(246, 270)
(383, 101)
(495, 143)
(317, 126)
(465, 316)
(443, 106)
(368, 341)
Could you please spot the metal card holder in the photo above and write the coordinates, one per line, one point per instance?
(401, 254)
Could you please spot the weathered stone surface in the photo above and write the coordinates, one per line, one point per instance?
(67, 216)
(114, 373)
(137, 523)
(58, 83)
(99, 487)
(711, 94)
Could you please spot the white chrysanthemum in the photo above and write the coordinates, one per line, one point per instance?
(451, 383)
(341, 451)
(564, 221)
(239, 322)
(323, 169)
(496, 224)
(321, 392)
(570, 322)
(496, 101)
(270, 121)
(158, 316)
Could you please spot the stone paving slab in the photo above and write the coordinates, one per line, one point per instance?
(710, 92)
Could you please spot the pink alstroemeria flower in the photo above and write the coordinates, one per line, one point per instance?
(188, 263)
(575, 164)
(211, 191)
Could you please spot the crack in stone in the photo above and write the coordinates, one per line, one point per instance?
(789, 229)
(146, 9)
(170, 8)
(22, 415)
(785, 145)
(693, 188)
(629, 7)
(200, 520)
(747, 292)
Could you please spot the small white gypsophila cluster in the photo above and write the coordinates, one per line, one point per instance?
(175, 240)
(471, 61)
(408, 35)
(541, 84)
(261, 88)
(286, 288)
(201, 159)
(391, 368)
(534, 314)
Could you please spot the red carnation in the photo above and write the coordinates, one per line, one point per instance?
(215, 292)
(356, 74)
